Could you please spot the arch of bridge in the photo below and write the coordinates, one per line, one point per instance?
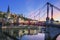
(53, 32)
(57, 37)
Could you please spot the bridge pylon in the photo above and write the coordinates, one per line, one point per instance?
(47, 18)
(51, 13)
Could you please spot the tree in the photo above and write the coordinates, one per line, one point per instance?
(4, 15)
(7, 23)
(1, 15)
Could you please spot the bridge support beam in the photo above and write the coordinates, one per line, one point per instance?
(52, 13)
(47, 18)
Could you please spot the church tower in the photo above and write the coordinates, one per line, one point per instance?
(8, 12)
(8, 9)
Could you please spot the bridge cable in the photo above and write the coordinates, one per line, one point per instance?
(41, 9)
(54, 6)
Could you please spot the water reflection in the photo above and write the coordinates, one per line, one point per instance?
(39, 36)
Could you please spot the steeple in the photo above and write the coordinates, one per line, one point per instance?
(8, 10)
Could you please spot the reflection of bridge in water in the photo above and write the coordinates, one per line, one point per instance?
(51, 28)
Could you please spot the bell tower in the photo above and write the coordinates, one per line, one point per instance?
(8, 12)
(8, 9)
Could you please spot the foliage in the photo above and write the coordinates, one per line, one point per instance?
(7, 23)
(1, 15)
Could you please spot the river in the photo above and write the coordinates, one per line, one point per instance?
(39, 36)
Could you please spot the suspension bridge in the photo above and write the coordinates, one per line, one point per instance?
(52, 27)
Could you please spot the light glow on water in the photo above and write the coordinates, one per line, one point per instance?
(39, 36)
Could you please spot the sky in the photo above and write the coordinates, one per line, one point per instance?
(28, 8)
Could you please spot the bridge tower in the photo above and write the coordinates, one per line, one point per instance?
(47, 18)
(52, 29)
(51, 13)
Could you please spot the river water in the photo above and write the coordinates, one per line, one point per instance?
(39, 36)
